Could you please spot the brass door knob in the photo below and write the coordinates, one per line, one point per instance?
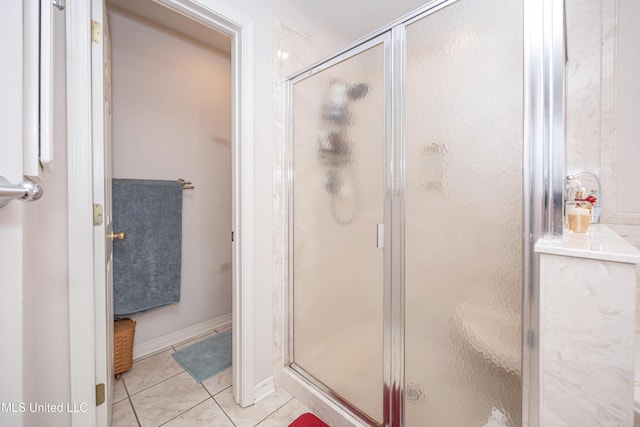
(120, 236)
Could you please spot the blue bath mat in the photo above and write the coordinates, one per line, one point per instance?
(206, 358)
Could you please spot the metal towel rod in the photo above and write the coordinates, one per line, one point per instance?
(186, 185)
(26, 191)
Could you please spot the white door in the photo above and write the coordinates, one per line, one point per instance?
(103, 233)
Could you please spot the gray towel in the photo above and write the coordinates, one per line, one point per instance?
(146, 265)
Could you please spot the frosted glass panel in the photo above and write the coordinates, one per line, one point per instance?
(338, 199)
(463, 253)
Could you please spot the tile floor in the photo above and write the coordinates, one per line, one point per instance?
(158, 392)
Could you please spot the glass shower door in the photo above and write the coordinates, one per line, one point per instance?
(464, 215)
(338, 202)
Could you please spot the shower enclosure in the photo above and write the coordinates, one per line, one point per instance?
(407, 201)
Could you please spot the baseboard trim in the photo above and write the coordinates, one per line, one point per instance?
(161, 343)
(264, 389)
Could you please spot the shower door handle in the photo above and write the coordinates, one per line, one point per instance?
(380, 236)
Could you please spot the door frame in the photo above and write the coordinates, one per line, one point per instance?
(82, 340)
(390, 335)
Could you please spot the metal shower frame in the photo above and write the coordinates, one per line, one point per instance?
(544, 57)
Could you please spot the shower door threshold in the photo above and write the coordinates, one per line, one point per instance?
(338, 400)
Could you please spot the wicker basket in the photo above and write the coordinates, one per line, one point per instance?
(123, 331)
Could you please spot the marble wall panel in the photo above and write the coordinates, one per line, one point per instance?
(592, 32)
(587, 342)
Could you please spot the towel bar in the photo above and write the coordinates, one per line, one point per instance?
(28, 191)
(186, 185)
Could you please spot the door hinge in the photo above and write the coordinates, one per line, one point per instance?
(233, 237)
(97, 215)
(96, 32)
(100, 394)
(60, 4)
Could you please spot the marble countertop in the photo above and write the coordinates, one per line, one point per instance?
(599, 243)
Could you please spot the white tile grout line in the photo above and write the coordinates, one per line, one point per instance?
(276, 410)
(159, 382)
(155, 353)
(184, 412)
(162, 380)
(207, 390)
(220, 406)
(212, 332)
(133, 408)
(200, 403)
(172, 347)
(261, 420)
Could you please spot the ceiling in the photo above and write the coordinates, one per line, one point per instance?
(360, 17)
(158, 14)
(356, 18)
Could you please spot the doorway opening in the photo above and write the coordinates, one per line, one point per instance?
(171, 104)
(84, 170)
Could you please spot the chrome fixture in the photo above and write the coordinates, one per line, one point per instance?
(336, 110)
(60, 4)
(186, 185)
(26, 191)
(334, 147)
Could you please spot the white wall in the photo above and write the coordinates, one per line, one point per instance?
(627, 144)
(602, 107)
(172, 119)
(301, 52)
(628, 107)
(268, 252)
(33, 284)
